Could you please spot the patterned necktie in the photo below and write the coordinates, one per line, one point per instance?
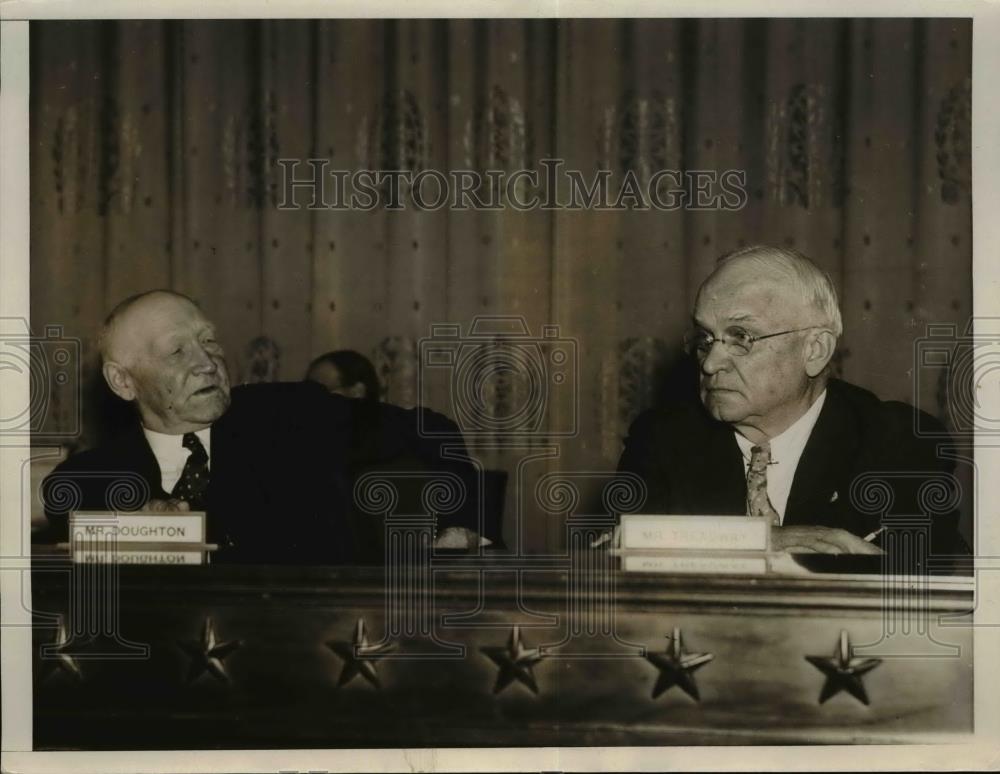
(758, 503)
(193, 483)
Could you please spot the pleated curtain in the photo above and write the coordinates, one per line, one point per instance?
(154, 163)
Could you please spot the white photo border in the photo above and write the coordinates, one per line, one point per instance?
(981, 753)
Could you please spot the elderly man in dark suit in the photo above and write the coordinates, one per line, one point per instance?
(269, 463)
(773, 435)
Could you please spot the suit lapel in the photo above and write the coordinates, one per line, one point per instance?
(722, 489)
(136, 449)
(824, 464)
(232, 454)
(236, 475)
(227, 454)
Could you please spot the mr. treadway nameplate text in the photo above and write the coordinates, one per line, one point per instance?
(713, 533)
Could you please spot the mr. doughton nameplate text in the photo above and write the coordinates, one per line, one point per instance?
(138, 527)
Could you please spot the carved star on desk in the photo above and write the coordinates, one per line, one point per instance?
(676, 667)
(843, 673)
(359, 656)
(60, 661)
(515, 662)
(207, 654)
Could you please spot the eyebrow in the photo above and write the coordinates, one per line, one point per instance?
(173, 337)
(165, 343)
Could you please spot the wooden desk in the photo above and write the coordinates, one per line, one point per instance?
(595, 684)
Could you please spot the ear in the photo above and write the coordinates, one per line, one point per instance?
(119, 380)
(819, 351)
(355, 391)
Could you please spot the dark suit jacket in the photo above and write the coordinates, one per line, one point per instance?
(692, 464)
(407, 447)
(280, 486)
(284, 460)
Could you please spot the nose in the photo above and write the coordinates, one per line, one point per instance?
(202, 360)
(716, 360)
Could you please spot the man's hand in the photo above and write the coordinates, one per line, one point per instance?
(819, 540)
(612, 539)
(172, 505)
(457, 537)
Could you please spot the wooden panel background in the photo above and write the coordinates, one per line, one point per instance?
(153, 161)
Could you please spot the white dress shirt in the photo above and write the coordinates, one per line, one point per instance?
(171, 455)
(786, 450)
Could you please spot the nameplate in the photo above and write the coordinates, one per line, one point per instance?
(696, 533)
(139, 557)
(137, 527)
(699, 564)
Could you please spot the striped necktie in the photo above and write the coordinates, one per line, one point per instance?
(193, 483)
(758, 504)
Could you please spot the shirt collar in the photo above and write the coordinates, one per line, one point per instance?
(793, 438)
(166, 445)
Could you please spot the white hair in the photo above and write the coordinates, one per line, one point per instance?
(813, 284)
(106, 336)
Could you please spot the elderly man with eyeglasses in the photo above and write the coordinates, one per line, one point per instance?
(774, 436)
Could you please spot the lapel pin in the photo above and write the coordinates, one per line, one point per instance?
(834, 496)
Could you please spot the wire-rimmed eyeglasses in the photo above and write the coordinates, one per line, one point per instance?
(737, 341)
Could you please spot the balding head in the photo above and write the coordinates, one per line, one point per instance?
(160, 351)
(801, 280)
(125, 323)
